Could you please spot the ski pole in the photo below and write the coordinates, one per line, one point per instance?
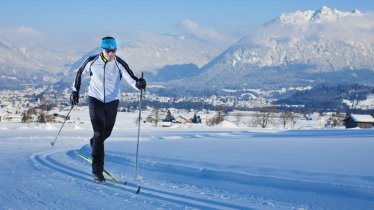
(67, 116)
(137, 145)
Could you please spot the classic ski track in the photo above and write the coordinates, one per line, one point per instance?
(318, 187)
(194, 202)
(45, 159)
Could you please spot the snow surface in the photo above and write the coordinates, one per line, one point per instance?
(367, 104)
(192, 167)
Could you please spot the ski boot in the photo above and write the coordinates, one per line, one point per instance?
(99, 178)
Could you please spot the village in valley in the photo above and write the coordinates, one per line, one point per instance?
(47, 106)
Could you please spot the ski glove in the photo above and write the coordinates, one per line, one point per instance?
(141, 84)
(74, 98)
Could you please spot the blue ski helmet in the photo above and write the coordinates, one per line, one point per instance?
(108, 43)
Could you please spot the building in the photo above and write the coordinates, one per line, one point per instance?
(361, 121)
(181, 120)
(150, 119)
(166, 124)
(13, 118)
(55, 117)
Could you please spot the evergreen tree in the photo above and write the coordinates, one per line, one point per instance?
(169, 117)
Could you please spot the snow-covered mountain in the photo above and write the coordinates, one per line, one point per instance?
(322, 15)
(29, 65)
(153, 52)
(297, 48)
(33, 65)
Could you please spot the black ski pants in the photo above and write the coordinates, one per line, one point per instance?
(103, 117)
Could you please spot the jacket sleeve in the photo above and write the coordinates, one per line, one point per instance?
(127, 73)
(83, 69)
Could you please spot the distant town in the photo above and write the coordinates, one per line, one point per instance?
(45, 105)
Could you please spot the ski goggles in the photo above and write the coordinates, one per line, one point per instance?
(110, 50)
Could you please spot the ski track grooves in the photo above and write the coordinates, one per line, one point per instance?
(45, 159)
(255, 180)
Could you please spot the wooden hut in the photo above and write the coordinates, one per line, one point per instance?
(361, 121)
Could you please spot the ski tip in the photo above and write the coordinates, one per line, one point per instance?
(138, 190)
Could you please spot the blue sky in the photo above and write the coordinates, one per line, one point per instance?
(74, 22)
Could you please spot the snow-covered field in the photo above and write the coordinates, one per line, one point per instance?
(189, 167)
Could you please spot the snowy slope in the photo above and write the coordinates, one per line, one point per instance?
(33, 58)
(153, 52)
(189, 168)
(367, 104)
(30, 65)
(309, 38)
(35, 65)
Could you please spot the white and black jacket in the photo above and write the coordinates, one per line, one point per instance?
(105, 77)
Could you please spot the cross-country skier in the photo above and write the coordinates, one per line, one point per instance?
(106, 70)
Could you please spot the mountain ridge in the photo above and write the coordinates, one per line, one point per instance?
(303, 52)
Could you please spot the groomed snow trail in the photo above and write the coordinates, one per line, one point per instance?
(192, 170)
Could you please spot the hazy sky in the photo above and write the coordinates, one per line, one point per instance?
(80, 23)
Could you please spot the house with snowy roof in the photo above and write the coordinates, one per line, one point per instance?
(55, 117)
(360, 121)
